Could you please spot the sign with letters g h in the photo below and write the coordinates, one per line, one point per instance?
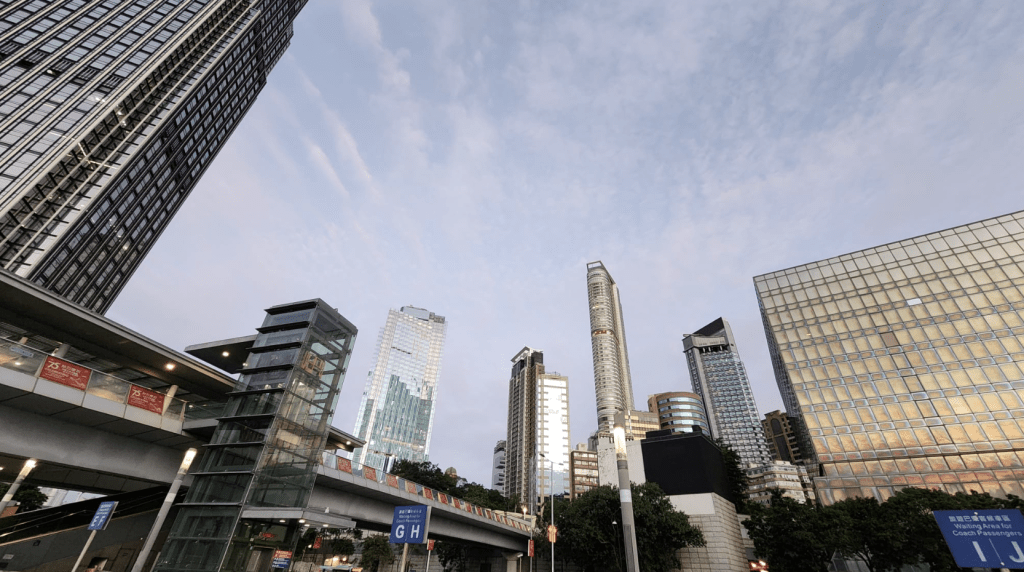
(409, 525)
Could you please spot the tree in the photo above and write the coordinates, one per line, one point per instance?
(377, 552)
(874, 535)
(590, 529)
(795, 537)
(735, 475)
(452, 555)
(430, 475)
(30, 497)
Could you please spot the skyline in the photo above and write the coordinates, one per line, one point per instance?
(462, 158)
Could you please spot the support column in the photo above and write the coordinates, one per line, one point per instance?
(512, 560)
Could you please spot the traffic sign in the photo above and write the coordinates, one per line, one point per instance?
(102, 516)
(409, 524)
(983, 538)
(282, 559)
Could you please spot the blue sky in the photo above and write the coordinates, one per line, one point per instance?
(472, 157)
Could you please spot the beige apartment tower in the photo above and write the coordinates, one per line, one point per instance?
(903, 363)
(612, 382)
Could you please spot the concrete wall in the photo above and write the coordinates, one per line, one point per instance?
(716, 517)
(119, 544)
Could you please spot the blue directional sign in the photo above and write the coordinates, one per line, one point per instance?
(102, 516)
(984, 538)
(409, 525)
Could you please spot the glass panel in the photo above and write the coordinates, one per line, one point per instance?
(107, 387)
(218, 488)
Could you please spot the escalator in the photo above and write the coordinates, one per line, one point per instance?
(55, 536)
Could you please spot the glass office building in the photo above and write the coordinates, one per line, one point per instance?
(718, 376)
(903, 363)
(612, 382)
(553, 443)
(396, 414)
(257, 472)
(679, 411)
(110, 111)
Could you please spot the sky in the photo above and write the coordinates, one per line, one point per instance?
(471, 157)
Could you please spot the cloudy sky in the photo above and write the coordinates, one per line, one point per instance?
(471, 158)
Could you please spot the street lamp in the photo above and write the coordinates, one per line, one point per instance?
(551, 486)
(625, 495)
(25, 470)
(186, 462)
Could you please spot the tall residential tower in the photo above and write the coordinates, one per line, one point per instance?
(903, 362)
(720, 379)
(538, 431)
(109, 113)
(612, 381)
(396, 415)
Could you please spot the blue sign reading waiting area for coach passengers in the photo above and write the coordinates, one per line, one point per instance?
(409, 525)
(984, 538)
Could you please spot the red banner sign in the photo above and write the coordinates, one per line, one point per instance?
(531, 548)
(345, 464)
(392, 481)
(430, 545)
(370, 473)
(428, 493)
(65, 373)
(410, 487)
(146, 399)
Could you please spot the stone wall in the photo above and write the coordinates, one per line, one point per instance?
(716, 517)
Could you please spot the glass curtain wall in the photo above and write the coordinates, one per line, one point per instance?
(266, 447)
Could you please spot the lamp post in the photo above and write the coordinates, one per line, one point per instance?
(551, 486)
(625, 495)
(25, 470)
(186, 462)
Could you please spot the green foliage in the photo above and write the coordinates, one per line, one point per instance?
(30, 497)
(794, 537)
(452, 556)
(588, 537)
(333, 542)
(377, 552)
(735, 475)
(430, 475)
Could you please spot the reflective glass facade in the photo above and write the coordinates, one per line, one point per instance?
(612, 382)
(396, 415)
(718, 376)
(679, 411)
(267, 446)
(904, 362)
(110, 111)
(553, 435)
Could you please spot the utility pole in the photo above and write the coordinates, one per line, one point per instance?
(625, 494)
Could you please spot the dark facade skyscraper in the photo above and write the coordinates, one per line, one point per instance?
(110, 111)
(720, 379)
(904, 362)
(612, 381)
(521, 442)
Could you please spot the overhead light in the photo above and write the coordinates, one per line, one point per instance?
(169, 366)
(225, 354)
(283, 520)
(17, 363)
(301, 520)
(348, 442)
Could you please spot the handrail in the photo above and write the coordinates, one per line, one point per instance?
(21, 358)
(342, 464)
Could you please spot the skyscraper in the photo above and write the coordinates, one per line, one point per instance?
(538, 431)
(396, 414)
(109, 114)
(521, 441)
(904, 362)
(612, 382)
(720, 379)
(498, 467)
(781, 433)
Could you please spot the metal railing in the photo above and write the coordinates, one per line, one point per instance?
(16, 357)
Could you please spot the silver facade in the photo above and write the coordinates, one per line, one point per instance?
(720, 379)
(110, 111)
(396, 414)
(612, 382)
(553, 442)
(498, 467)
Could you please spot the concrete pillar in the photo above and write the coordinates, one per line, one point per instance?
(512, 560)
